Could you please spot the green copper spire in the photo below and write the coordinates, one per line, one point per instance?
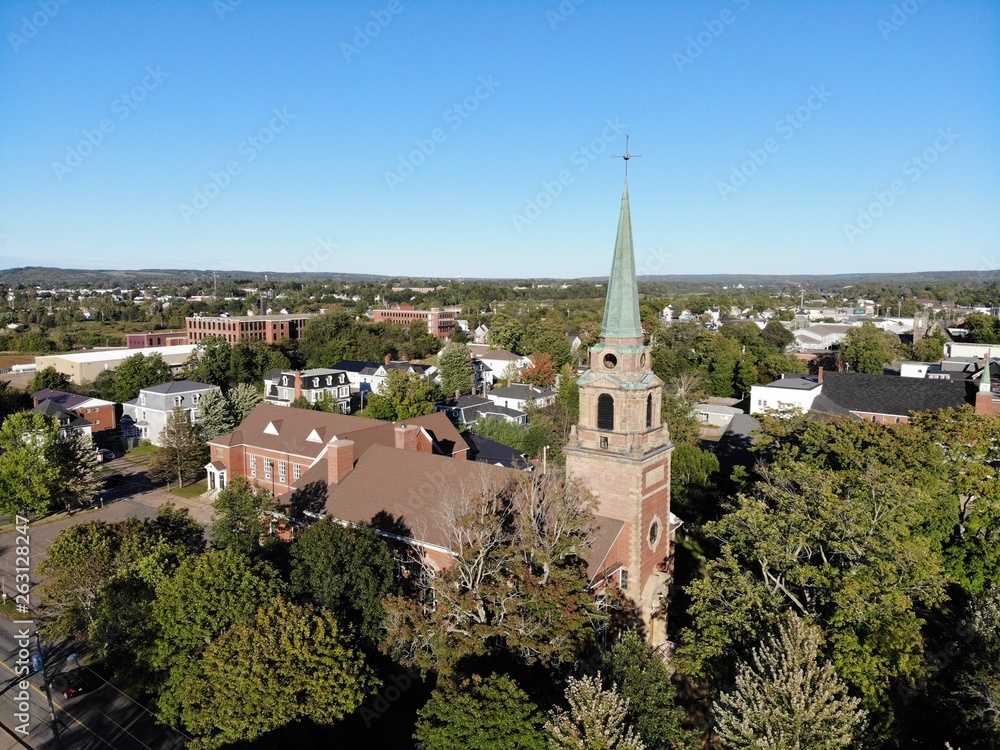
(621, 311)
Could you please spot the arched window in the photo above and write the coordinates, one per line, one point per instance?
(605, 412)
(649, 411)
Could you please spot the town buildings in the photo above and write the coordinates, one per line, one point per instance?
(83, 367)
(238, 328)
(440, 323)
(155, 338)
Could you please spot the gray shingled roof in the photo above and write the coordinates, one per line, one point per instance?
(888, 394)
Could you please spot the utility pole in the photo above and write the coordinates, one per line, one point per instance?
(48, 693)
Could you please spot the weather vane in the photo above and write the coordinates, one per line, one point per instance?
(626, 156)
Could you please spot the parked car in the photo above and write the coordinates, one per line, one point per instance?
(113, 480)
(69, 683)
(103, 455)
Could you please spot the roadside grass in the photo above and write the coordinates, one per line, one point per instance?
(8, 610)
(190, 491)
(140, 454)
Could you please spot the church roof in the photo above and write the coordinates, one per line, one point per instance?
(621, 311)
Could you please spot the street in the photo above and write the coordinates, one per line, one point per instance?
(102, 716)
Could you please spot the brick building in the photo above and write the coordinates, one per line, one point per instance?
(236, 328)
(155, 338)
(621, 450)
(440, 323)
(100, 413)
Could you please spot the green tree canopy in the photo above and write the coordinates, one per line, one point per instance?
(403, 395)
(597, 719)
(237, 523)
(789, 697)
(29, 470)
(868, 349)
(182, 454)
(348, 570)
(284, 664)
(480, 714)
(137, 372)
(456, 369)
(206, 596)
(48, 377)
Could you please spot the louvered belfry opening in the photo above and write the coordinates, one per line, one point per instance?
(649, 411)
(605, 412)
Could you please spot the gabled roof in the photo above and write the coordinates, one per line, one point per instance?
(353, 365)
(522, 391)
(889, 394)
(286, 430)
(64, 416)
(444, 434)
(68, 400)
(493, 452)
(178, 386)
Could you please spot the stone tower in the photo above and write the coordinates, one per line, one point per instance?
(620, 449)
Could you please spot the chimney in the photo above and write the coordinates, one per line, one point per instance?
(406, 437)
(405, 358)
(387, 359)
(820, 374)
(298, 383)
(458, 394)
(339, 460)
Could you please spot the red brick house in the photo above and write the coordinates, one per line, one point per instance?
(100, 413)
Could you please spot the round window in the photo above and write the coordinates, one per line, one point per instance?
(610, 360)
(654, 533)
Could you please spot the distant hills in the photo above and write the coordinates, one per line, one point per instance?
(49, 278)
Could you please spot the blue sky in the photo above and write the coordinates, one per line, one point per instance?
(449, 138)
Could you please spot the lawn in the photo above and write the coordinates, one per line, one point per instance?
(140, 454)
(189, 491)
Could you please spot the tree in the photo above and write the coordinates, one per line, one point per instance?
(215, 414)
(480, 714)
(243, 399)
(597, 719)
(210, 362)
(456, 369)
(208, 594)
(137, 372)
(542, 372)
(644, 681)
(403, 395)
(12, 400)
(285, 664)
(930, 349)
(501, 431)
(237, 523)
(181, 454)
(48, 378)
(517, 584)
(81, 476)
(505, 332)
(348, 570)
(29, 468)
(777, 335)
(569, 394)
(548, 339)
(789, 697)
(789, 544)
(868, 349)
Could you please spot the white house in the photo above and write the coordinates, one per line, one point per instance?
(369, 376)
(498, 361)
(522, 395)
(281, 387)
(789, 393)
(820, 336)
(146, 416)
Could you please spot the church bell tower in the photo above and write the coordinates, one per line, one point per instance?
(620, 449)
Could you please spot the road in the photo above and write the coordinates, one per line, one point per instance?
(103, 716)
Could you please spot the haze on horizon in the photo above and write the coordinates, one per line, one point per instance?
(432, 139)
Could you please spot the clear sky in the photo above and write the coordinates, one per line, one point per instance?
(474, 138)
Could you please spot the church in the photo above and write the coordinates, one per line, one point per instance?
(621, 449)
(356, 469)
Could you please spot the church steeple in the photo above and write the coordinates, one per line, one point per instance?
(621, 309)
(984, 381)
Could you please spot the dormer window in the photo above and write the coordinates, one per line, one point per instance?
(142, 399)
(284, 380)
(329, 379)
